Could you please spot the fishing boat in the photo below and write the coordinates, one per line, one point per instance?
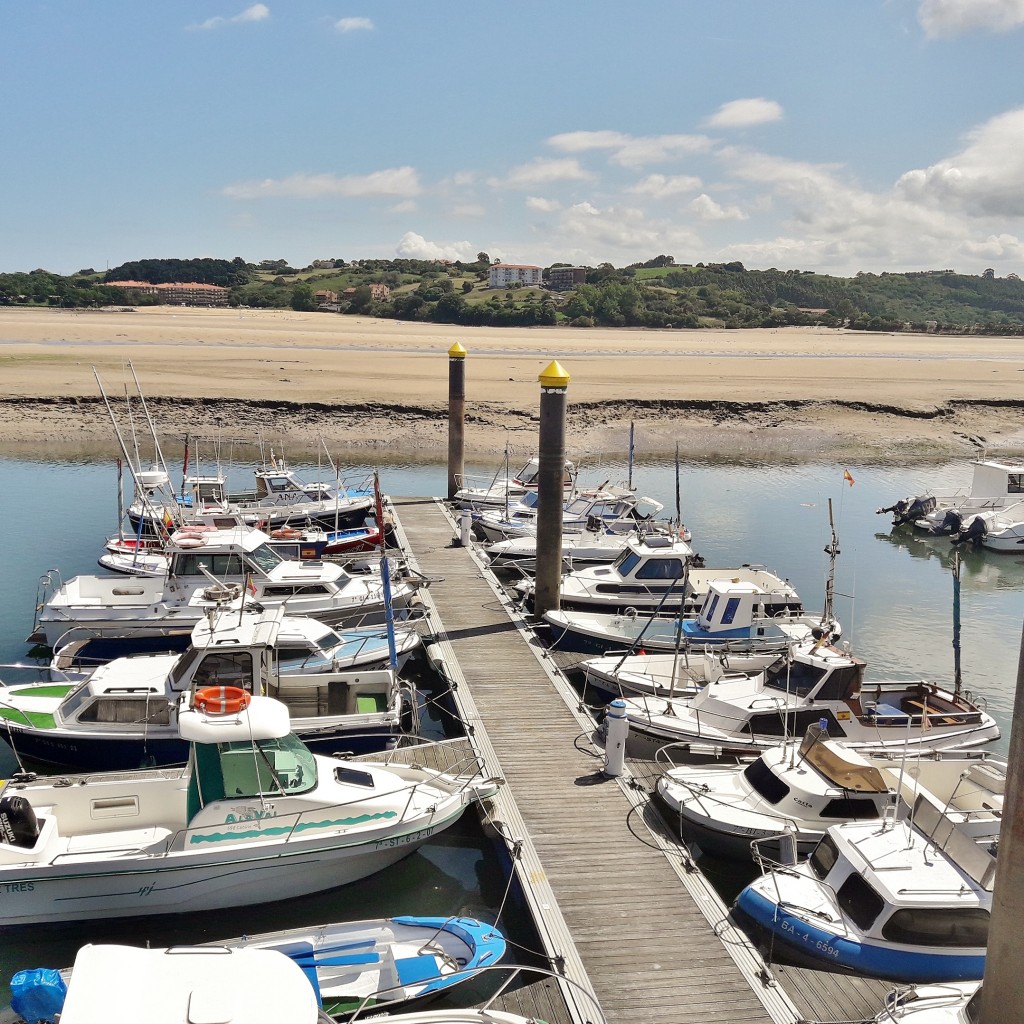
(995, 484)
(149, 555)
(951, 1003)
(799, 790)
(611, 506)
(480, 495)
(903, 900)
(679, 674)
(209, 567)
(254, 817)
(995, 531)
(657, 573)
(387, 965)
(594, 545)
(815, 681)
(342, 694)
(732, 618)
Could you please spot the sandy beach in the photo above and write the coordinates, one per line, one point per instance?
(366, 386)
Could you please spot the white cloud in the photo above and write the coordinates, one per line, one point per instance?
(396, 181)
(405, 206)
(706, 209)
(745, 113)
(415, 247)
(542, 205)
(541, 172)
(659, 186)
(257, 12)
(617, 234)
(469, 211)
(984, 178)
(354, 25)
(630, 150)
(948, 18)
(582, 142)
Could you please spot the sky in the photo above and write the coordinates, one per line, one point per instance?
(837, 136)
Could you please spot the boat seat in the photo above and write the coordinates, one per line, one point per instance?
(416, 970)
(128, 840)
(935, 715)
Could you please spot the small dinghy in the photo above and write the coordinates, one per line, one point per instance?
(386, 964)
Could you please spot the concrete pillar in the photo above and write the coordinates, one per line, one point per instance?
(456, 418)
(554, 382)
(1003, 995)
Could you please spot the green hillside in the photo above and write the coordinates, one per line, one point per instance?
(658, 293)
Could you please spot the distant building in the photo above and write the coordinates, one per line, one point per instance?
(502, 275)
(325, 295)
(178, 293)
(378, 292)
(564, 279)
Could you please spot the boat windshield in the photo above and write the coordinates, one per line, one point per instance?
(794, 677)
(823, 857)
(267, 767)
(626, 562)
(265, 558)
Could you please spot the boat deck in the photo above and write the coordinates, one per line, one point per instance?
(619, 904)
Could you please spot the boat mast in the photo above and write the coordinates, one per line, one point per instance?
(629, 481)
(957, 680)
(158, 454)
(830, 579)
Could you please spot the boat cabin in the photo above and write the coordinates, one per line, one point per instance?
(729, 610)
(893, 887)
(204, 492)
(659, 558)
(996, 477)
(527, 477)
(279, 485)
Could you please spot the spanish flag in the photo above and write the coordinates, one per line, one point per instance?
(848, 477)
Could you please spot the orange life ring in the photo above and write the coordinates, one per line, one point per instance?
(222, 700)
(286, 533)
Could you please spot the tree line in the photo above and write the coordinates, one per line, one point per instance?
(654, 293)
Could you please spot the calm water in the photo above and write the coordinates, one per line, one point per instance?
(894, 597)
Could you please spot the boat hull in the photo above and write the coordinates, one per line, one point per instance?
(809, 943)
(135, 884)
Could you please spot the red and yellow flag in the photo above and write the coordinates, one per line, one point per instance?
(848, 477)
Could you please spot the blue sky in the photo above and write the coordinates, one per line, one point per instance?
(829, 135)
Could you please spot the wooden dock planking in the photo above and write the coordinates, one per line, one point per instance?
(656, 944)
(594, 856)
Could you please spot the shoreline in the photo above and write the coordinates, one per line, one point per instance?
(377, 388)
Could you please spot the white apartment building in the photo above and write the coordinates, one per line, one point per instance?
(502, 275)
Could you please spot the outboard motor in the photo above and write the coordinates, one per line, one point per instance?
(18, 823)
(594, 524)
(974, 531)
(952, 522)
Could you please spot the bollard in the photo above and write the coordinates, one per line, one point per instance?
(456, 418)
(466, 527)
(616, 731)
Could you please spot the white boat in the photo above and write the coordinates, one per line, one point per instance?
(377, 966)
(951, 1003)
(480, 495)
(657, 573)
(594, 545)
(732, 618)
(679, 674)
(610, 506)
(995, 484)
(996, 531)
(124, 714)
(151, 555)
(889, 899)
(800, 790)
(212, 984)
(815, 682)
(280, 499)
(254, 817)
(210, 567)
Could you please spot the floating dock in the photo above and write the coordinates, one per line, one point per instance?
(623, 913)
